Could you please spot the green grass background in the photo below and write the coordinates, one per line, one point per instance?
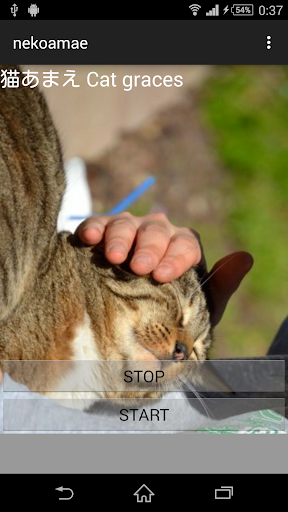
(245, 109)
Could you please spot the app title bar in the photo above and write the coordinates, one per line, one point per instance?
(144, 42)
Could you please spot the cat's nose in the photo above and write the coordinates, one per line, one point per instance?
(181, 352)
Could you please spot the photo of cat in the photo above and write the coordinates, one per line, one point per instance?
(63, 302)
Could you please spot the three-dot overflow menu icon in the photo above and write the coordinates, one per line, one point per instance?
(268, 42)
(144, 494)
(194, 8)
(224, 493)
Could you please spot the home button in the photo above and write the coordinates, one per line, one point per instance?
(144, 494)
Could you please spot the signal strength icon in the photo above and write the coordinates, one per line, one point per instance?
(214, 11)
(194, 8)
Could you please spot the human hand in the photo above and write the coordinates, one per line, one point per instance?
(168, 248)
(160, 247)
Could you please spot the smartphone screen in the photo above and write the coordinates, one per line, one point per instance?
(143, 265)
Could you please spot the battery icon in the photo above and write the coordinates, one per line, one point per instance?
(242, 9)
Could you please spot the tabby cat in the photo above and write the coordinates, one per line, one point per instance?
(61, 300)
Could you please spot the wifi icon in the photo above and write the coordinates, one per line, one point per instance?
(194, 8)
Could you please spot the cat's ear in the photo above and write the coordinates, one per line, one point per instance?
(223, 280)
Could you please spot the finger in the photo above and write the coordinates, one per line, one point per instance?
(224, 279)
(182, 253)
(153, 237)
(119, 237)
(91, 230)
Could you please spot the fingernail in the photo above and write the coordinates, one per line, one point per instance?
(117, 248)
(88, 228)
(163, 270)
(144, 259)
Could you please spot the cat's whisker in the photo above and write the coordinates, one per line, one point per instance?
(188, 383)
(233, 256)
(154, 424)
